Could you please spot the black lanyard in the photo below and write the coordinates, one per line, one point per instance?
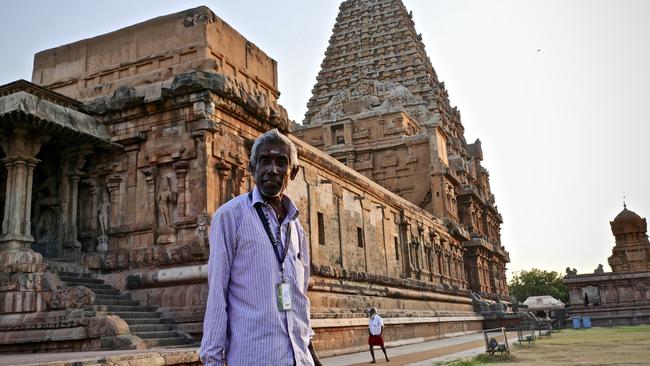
(274, 242)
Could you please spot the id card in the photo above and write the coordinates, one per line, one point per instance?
(284, 296)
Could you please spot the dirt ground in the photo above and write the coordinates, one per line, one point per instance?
(595, 346)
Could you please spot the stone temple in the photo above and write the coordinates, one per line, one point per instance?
(121, 147)
(622, 296)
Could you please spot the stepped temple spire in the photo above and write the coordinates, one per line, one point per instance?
(374, 40)
(379, 108)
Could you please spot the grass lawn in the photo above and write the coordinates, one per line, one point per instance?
(628, 345)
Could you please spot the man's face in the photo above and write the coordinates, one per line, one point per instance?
(273, 169)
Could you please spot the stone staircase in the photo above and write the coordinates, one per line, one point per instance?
(143, 321)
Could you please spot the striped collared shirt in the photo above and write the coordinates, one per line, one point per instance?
(242, 320)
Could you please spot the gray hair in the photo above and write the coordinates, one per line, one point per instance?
(274, 136)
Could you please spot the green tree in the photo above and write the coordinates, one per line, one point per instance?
(537, 282)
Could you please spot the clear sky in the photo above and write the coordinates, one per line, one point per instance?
(556, 90)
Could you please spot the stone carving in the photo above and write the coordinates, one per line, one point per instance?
(571, 272)
(599, 270)
(109, 325)
(483, 306)
(234, 183)
(370, 96)
(166, 201)
(202, 228)
(72, 297)
(166, 205)
(102, 216)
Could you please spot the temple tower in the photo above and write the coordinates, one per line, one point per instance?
(379, 108)
(632, 249)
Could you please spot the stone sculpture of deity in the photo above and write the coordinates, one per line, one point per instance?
(166, 200)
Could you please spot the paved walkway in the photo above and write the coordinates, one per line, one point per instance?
(419, 354)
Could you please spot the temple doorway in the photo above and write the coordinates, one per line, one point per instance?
(46, 223)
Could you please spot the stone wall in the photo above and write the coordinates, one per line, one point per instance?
(614, 298)
(154, 51)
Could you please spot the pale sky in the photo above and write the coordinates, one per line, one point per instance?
(555, 90)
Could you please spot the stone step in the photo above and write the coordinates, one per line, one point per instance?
(113, 296)
(123, 308)
(134, 314)
(112, 301)
(157, 334)
(139, 328)
(100, 291)
(76, 275)
(143, 321)
(92, 286)
(189, 328)
(81, 280)
(164, 342)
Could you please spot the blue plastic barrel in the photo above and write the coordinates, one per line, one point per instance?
(586, 322)
(576, 323)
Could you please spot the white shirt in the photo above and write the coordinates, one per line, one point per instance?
(375, 325)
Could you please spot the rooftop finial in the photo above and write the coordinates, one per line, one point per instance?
(624, 205)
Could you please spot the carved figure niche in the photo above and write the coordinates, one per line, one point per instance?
(234, 182)
(103, 219)
(166, 208)
(46, 224)
(230, 181)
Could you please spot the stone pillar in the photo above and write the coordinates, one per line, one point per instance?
(93, 189)
(181, 187)
(17, 226)
(74, 159)
(113, 183)
(73, 242)
(223, 172)
(15, 251)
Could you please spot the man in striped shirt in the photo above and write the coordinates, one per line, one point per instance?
(258, 272)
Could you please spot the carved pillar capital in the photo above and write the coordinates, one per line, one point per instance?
(20, 141)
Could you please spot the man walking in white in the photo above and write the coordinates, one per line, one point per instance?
(376, 329)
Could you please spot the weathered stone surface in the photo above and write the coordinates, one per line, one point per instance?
(39, 335)
(25, 103)
(109, 325)
(126, 341)
(72, 297)
(158, 51)
(21, 261)
(21, 302)
(180, 358)
(42, 320)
